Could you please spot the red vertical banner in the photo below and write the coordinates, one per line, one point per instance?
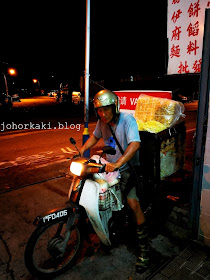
(185, 35)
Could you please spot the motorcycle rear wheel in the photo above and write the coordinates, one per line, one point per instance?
(42, 255)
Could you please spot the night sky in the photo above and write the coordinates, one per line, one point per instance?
(127, 37)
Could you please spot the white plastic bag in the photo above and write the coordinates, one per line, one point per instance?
(155, 114)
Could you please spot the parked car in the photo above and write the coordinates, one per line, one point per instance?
(179, 97)
(15, 98)
(76, 97)
(53, 93)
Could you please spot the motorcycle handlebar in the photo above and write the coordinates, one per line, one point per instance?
(102, 168)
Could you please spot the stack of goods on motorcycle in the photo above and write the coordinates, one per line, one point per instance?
(154, 114)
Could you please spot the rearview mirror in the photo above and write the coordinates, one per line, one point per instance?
(73, 142)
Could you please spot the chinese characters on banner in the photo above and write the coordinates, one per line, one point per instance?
(185, 35)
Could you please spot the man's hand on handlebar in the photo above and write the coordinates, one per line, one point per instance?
(76, 156)
(111, 167)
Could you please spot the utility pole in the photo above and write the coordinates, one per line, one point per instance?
(87, 75)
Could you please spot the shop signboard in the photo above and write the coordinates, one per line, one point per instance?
(185, 35)
(128, 98)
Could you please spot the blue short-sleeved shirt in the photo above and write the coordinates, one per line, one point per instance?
(126, 131)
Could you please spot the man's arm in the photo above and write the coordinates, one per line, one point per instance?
(89, 144)
(128, 154)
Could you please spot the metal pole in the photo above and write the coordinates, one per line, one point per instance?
(202, 117)
(87, 63)
(6, 86)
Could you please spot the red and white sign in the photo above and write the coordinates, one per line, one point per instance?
(128, 98)
(185, 35)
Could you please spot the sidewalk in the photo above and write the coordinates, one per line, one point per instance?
(168, 259)
(193, 259)
(192, 263)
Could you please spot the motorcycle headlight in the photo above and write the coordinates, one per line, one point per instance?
(76, 168)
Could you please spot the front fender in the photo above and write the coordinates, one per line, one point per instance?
(61, 213)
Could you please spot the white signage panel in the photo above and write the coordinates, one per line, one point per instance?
(185, 35)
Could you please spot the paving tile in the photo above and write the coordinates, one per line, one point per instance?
(195, 260)
(181, 274)
(159, 276)
(170, 269)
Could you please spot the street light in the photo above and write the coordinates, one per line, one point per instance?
(12, 71)
(36, 81)
(37, 86)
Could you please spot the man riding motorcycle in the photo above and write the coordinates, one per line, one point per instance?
(124, 126)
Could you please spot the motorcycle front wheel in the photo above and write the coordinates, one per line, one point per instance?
(43, 257)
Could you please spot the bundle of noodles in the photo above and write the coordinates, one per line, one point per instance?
(150, 126)
(154, 126)
(162, 110)
(140, 125)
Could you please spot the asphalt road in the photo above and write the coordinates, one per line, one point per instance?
(35, 136)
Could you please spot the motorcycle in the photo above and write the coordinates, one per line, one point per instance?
(93, 196)
(6, 101)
